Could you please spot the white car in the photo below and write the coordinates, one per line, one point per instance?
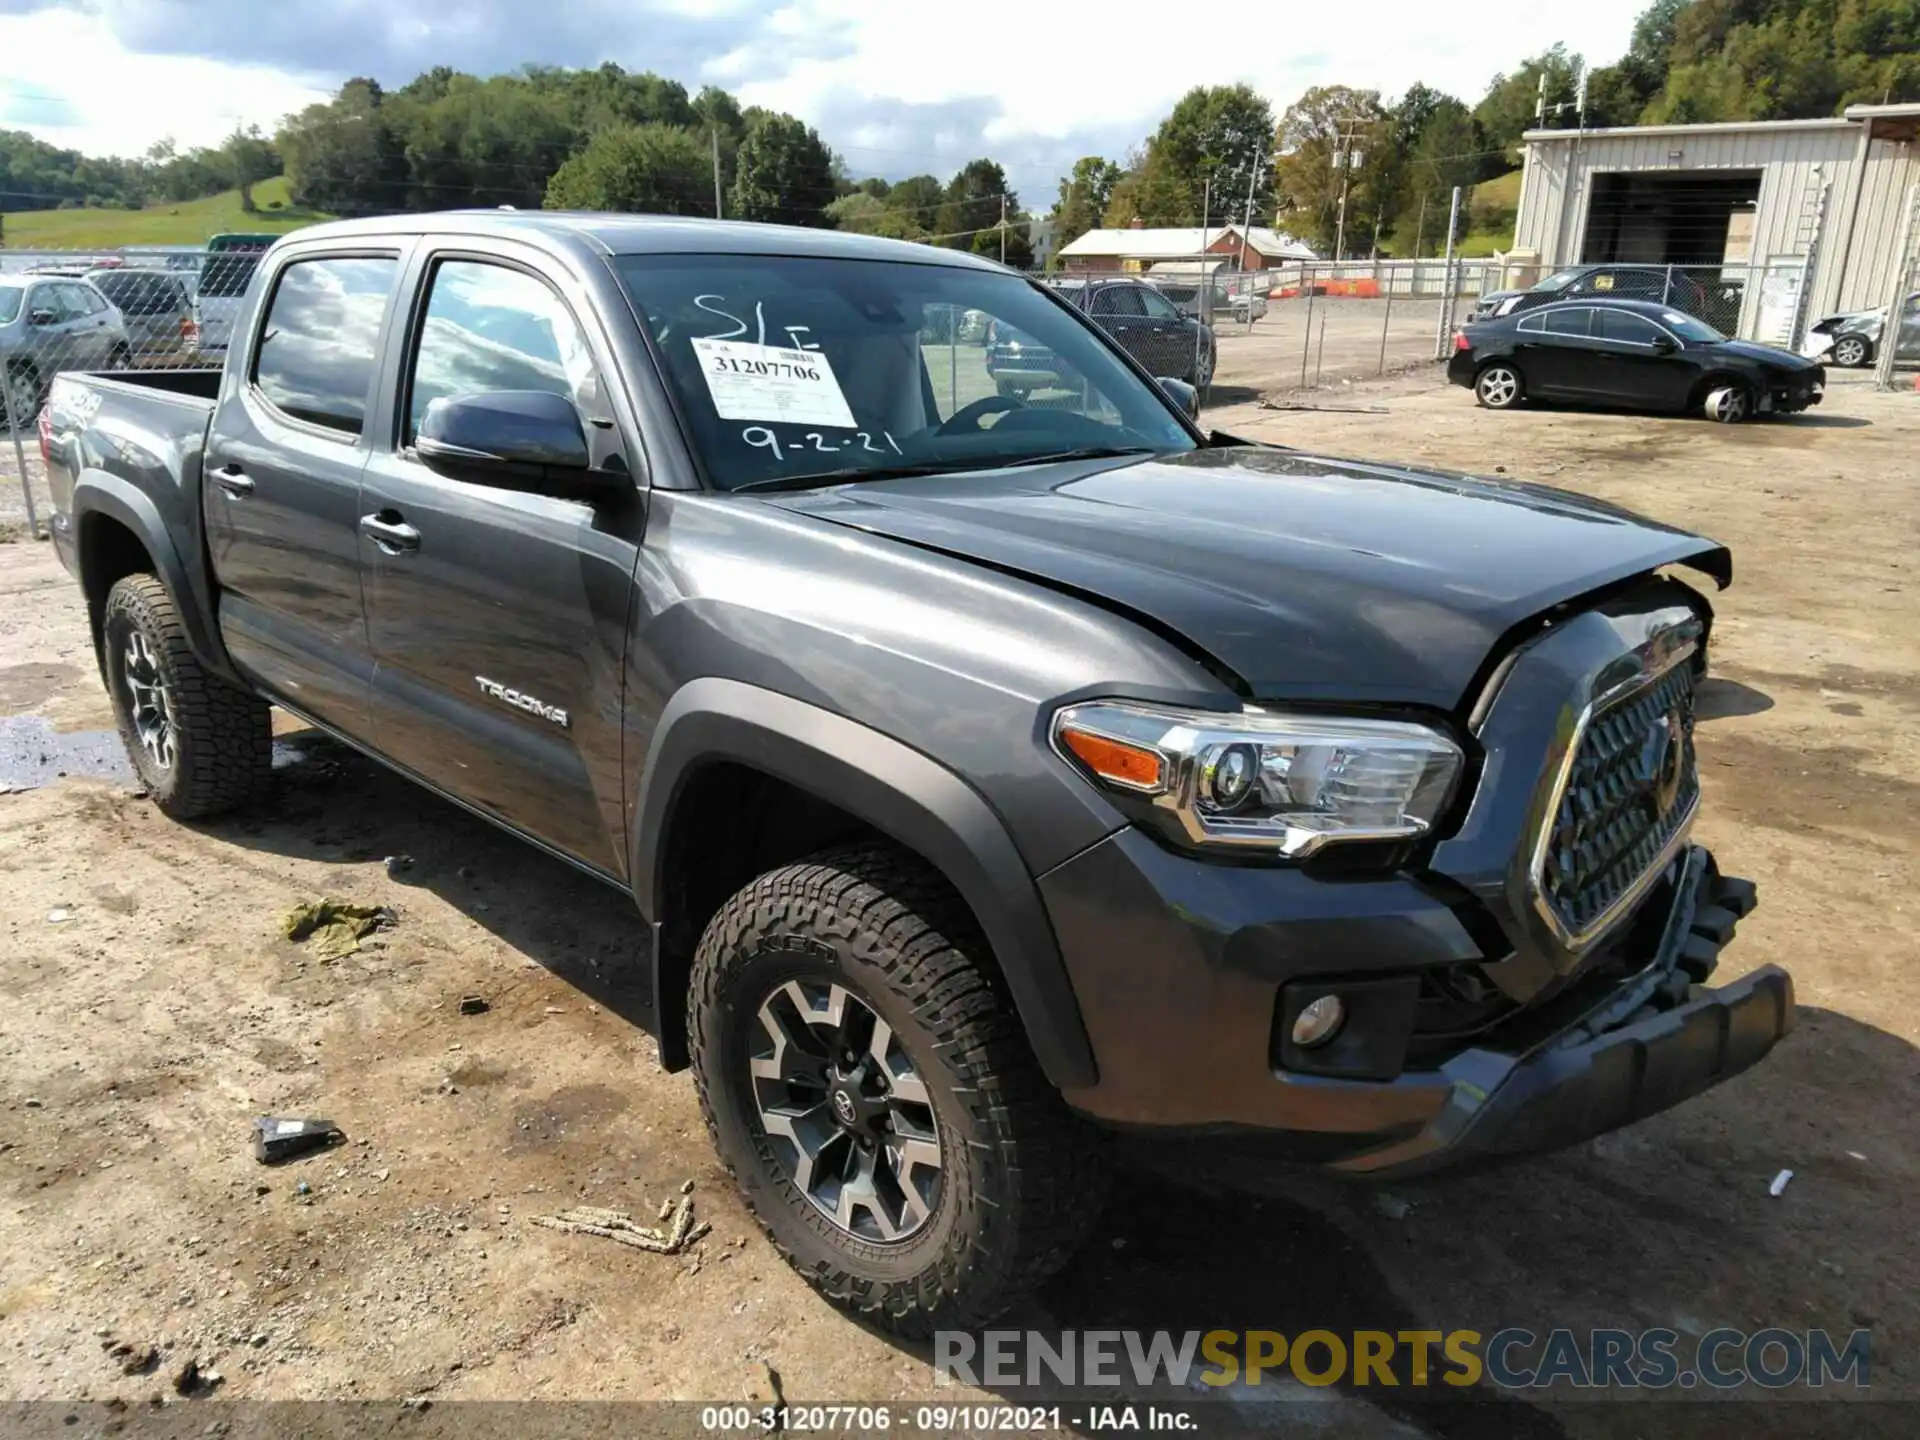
(1852, 338)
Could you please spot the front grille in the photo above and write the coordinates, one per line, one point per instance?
(1632, 783)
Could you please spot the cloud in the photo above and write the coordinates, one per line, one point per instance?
(896, 86)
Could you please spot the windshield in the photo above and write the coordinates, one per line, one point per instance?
(226, 276)
(1687, 327)
(10, 302)
(1559, 281)
(787, 367)
(137, 294)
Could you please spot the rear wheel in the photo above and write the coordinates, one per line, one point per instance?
(867, 1082)
(120, 358)
(199, 745)
(1498, 386)
(1850, 352)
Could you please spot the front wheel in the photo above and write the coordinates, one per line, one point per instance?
(1850, 352)
(866, 1081)
(1498, 387)
(23, 394)
(199, 745)
(1728, 404)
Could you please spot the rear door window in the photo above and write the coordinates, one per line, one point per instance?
(1574, 321)
(319, 343)
(1118, 300)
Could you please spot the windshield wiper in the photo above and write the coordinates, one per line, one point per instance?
(1084, 452)
(853, 473)
(850, 473)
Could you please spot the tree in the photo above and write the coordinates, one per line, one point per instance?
(1200, 162)
(1084, 196)
(1507, 110)
(859, 213)
(1444, 154)
(913, 207)
(1307, 187)
(656, 169)
(785, 173)
(250, 159)
(976, 199)
(344, 156)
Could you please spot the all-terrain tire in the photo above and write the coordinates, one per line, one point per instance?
(222, 737)
(1022, 1177)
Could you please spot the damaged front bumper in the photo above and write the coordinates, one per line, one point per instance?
(1652, 1043)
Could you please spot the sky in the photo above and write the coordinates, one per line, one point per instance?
(897, 87)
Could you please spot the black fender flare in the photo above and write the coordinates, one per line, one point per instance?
(898, 791)
(97, 492)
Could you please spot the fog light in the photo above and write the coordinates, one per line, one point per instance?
(1318, 1022)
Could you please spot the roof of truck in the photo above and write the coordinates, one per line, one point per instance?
(649, 234)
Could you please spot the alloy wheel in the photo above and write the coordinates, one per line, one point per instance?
(1499, 387)
(1850, 352)
(838, 1095)
(150, 706)
(22, 398)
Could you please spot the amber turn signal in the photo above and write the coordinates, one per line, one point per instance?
(1115, 760)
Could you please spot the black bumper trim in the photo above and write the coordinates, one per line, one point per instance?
(1608, 1072)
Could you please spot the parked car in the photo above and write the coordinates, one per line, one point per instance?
(158, 313)
(1675, 289)
(224, 278)
(1224, 304)
(987, 777)
(1852, 339)
(50, 323)
(1631, 354)
(1141, 320)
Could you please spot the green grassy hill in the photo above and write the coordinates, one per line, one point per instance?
(189, 222)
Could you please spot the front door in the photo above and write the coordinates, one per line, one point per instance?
(1640, 363)
(498, 618)
(282, 484)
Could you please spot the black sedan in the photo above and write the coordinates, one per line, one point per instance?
(1631, 354)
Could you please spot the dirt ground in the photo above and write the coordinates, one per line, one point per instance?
(151, 1008)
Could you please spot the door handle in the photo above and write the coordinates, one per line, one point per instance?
(235, 481)
(391, 535)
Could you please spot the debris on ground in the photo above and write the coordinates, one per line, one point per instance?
(132, 1359)
(618, 1225)
(474, 1005)
(188, 1379)
(59, 915)
(1394, 1207)
(1779, 1183)
(334, 927)
(763, 1385)
(398, 865)
(276, 1138)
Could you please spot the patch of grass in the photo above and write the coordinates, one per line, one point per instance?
(188, 222)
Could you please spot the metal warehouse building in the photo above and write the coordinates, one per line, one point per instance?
(1793, 218)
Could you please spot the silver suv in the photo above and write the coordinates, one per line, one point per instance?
(50, 323)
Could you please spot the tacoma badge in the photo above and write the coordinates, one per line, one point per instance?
(522, 702)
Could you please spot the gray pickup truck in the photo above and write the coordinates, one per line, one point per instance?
(993, 774)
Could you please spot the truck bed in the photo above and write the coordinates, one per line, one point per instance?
(197, 384)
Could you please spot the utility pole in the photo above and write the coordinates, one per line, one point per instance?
(1346, 159)
(715, 132)
(1003, 229)
(1253, 183)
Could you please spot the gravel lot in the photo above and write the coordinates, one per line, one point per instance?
(145, 1027)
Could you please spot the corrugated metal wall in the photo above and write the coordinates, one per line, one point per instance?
(1557, 187)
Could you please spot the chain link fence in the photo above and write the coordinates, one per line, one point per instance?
(166, 308)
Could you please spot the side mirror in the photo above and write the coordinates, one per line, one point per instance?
(42, 317)
(1664, 345)
(1182, 394)
(530, 440)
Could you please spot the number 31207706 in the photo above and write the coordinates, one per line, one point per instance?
(761, 438)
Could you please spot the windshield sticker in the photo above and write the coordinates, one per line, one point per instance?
(1603, 282)
(767, 383)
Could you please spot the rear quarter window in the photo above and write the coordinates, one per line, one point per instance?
(10, 303)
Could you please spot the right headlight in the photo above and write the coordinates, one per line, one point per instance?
(1283, 782)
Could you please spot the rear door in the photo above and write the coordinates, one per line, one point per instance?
(282, 478)
(1556, 358)
(474, 591)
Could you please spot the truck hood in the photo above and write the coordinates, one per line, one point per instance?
(1308, 578)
